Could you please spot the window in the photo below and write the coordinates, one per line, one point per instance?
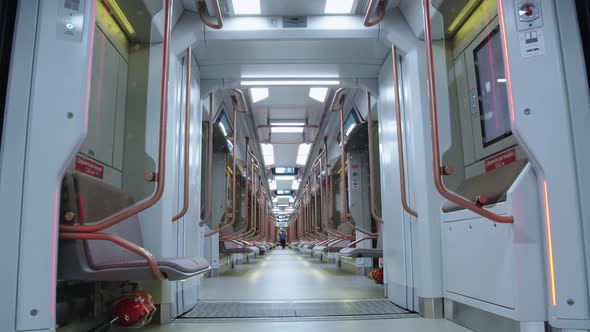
(224, 124)
(351, 121)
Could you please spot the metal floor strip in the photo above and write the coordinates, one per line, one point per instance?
(241, 310)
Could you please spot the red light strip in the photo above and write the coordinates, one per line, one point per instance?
(506, 62)
(550, 246)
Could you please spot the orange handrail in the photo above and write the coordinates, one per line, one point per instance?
(203, 10)
(370, 125)
(234, 166)
(209, 163)
(400, 142)
(122, 243)
(380, 15)
(159, 177)
(437, 169)
(187, 136)
(343, 195)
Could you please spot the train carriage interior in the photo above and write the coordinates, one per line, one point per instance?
(258, 165)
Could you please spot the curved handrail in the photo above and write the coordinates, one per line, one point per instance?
(187, 136)
(209, 163)
(361, 240)
(159, 177)
(158, 275)
(371, 166)
(400, 136)
(343, 195)
(380, 15)
(243, 97)
(203, 10)
(437, 169)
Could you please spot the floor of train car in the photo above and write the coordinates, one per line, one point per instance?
(285, 275)
(245, 299)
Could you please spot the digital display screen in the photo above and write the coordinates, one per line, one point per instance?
(491, 85)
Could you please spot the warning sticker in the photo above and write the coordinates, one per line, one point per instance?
(499, 160)
(532, 43)
(89, 167)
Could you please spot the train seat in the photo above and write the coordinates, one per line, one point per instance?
(364, 252)
(493, 185)
(93, 200)
(336, 244)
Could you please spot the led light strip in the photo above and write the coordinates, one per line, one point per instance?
(550, 246)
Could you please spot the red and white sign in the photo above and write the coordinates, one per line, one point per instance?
(499, 160)
(89, 167)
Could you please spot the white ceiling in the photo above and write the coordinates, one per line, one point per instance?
(240, 51)
(290, 7)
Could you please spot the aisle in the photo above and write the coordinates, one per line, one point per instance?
(285, 275)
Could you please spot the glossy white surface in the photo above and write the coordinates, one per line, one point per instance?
(286, 275)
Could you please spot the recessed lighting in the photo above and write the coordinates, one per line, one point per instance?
(290, 76)
(318, 94)
(246, 7)
(291, 82)
(268, 154)
(285, 177)
(302, 154)
(338, 6)
(286, 129)
(287, 124)
(258, 94)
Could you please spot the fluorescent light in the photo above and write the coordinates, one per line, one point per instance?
(268, 154)
(291, 199)
(501, 80)
(287, 124)
(121, 18)
(291, 82)
(349, 130)
(272, 185)
(303, 153)
(275, 199)
(223, 130)
(318, 94)
(339, 6)
(284, 177)
(258, 94)
(295, 185)
(246, 7)
(285, 76)
(286, 129)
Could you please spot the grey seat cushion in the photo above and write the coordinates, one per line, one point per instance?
(493, 184)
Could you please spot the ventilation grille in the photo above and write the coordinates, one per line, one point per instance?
(294, 21)
(72, 5)
(362, 7)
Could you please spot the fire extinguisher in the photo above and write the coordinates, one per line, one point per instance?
(135, 310)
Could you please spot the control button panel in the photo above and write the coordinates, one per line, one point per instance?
(70, 19)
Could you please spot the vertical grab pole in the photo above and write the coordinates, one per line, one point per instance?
(371, 166)
(209, 162)
(187, 137)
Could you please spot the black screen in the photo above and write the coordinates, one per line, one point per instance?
(7, 21)
(583, 8)
(491, 86)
